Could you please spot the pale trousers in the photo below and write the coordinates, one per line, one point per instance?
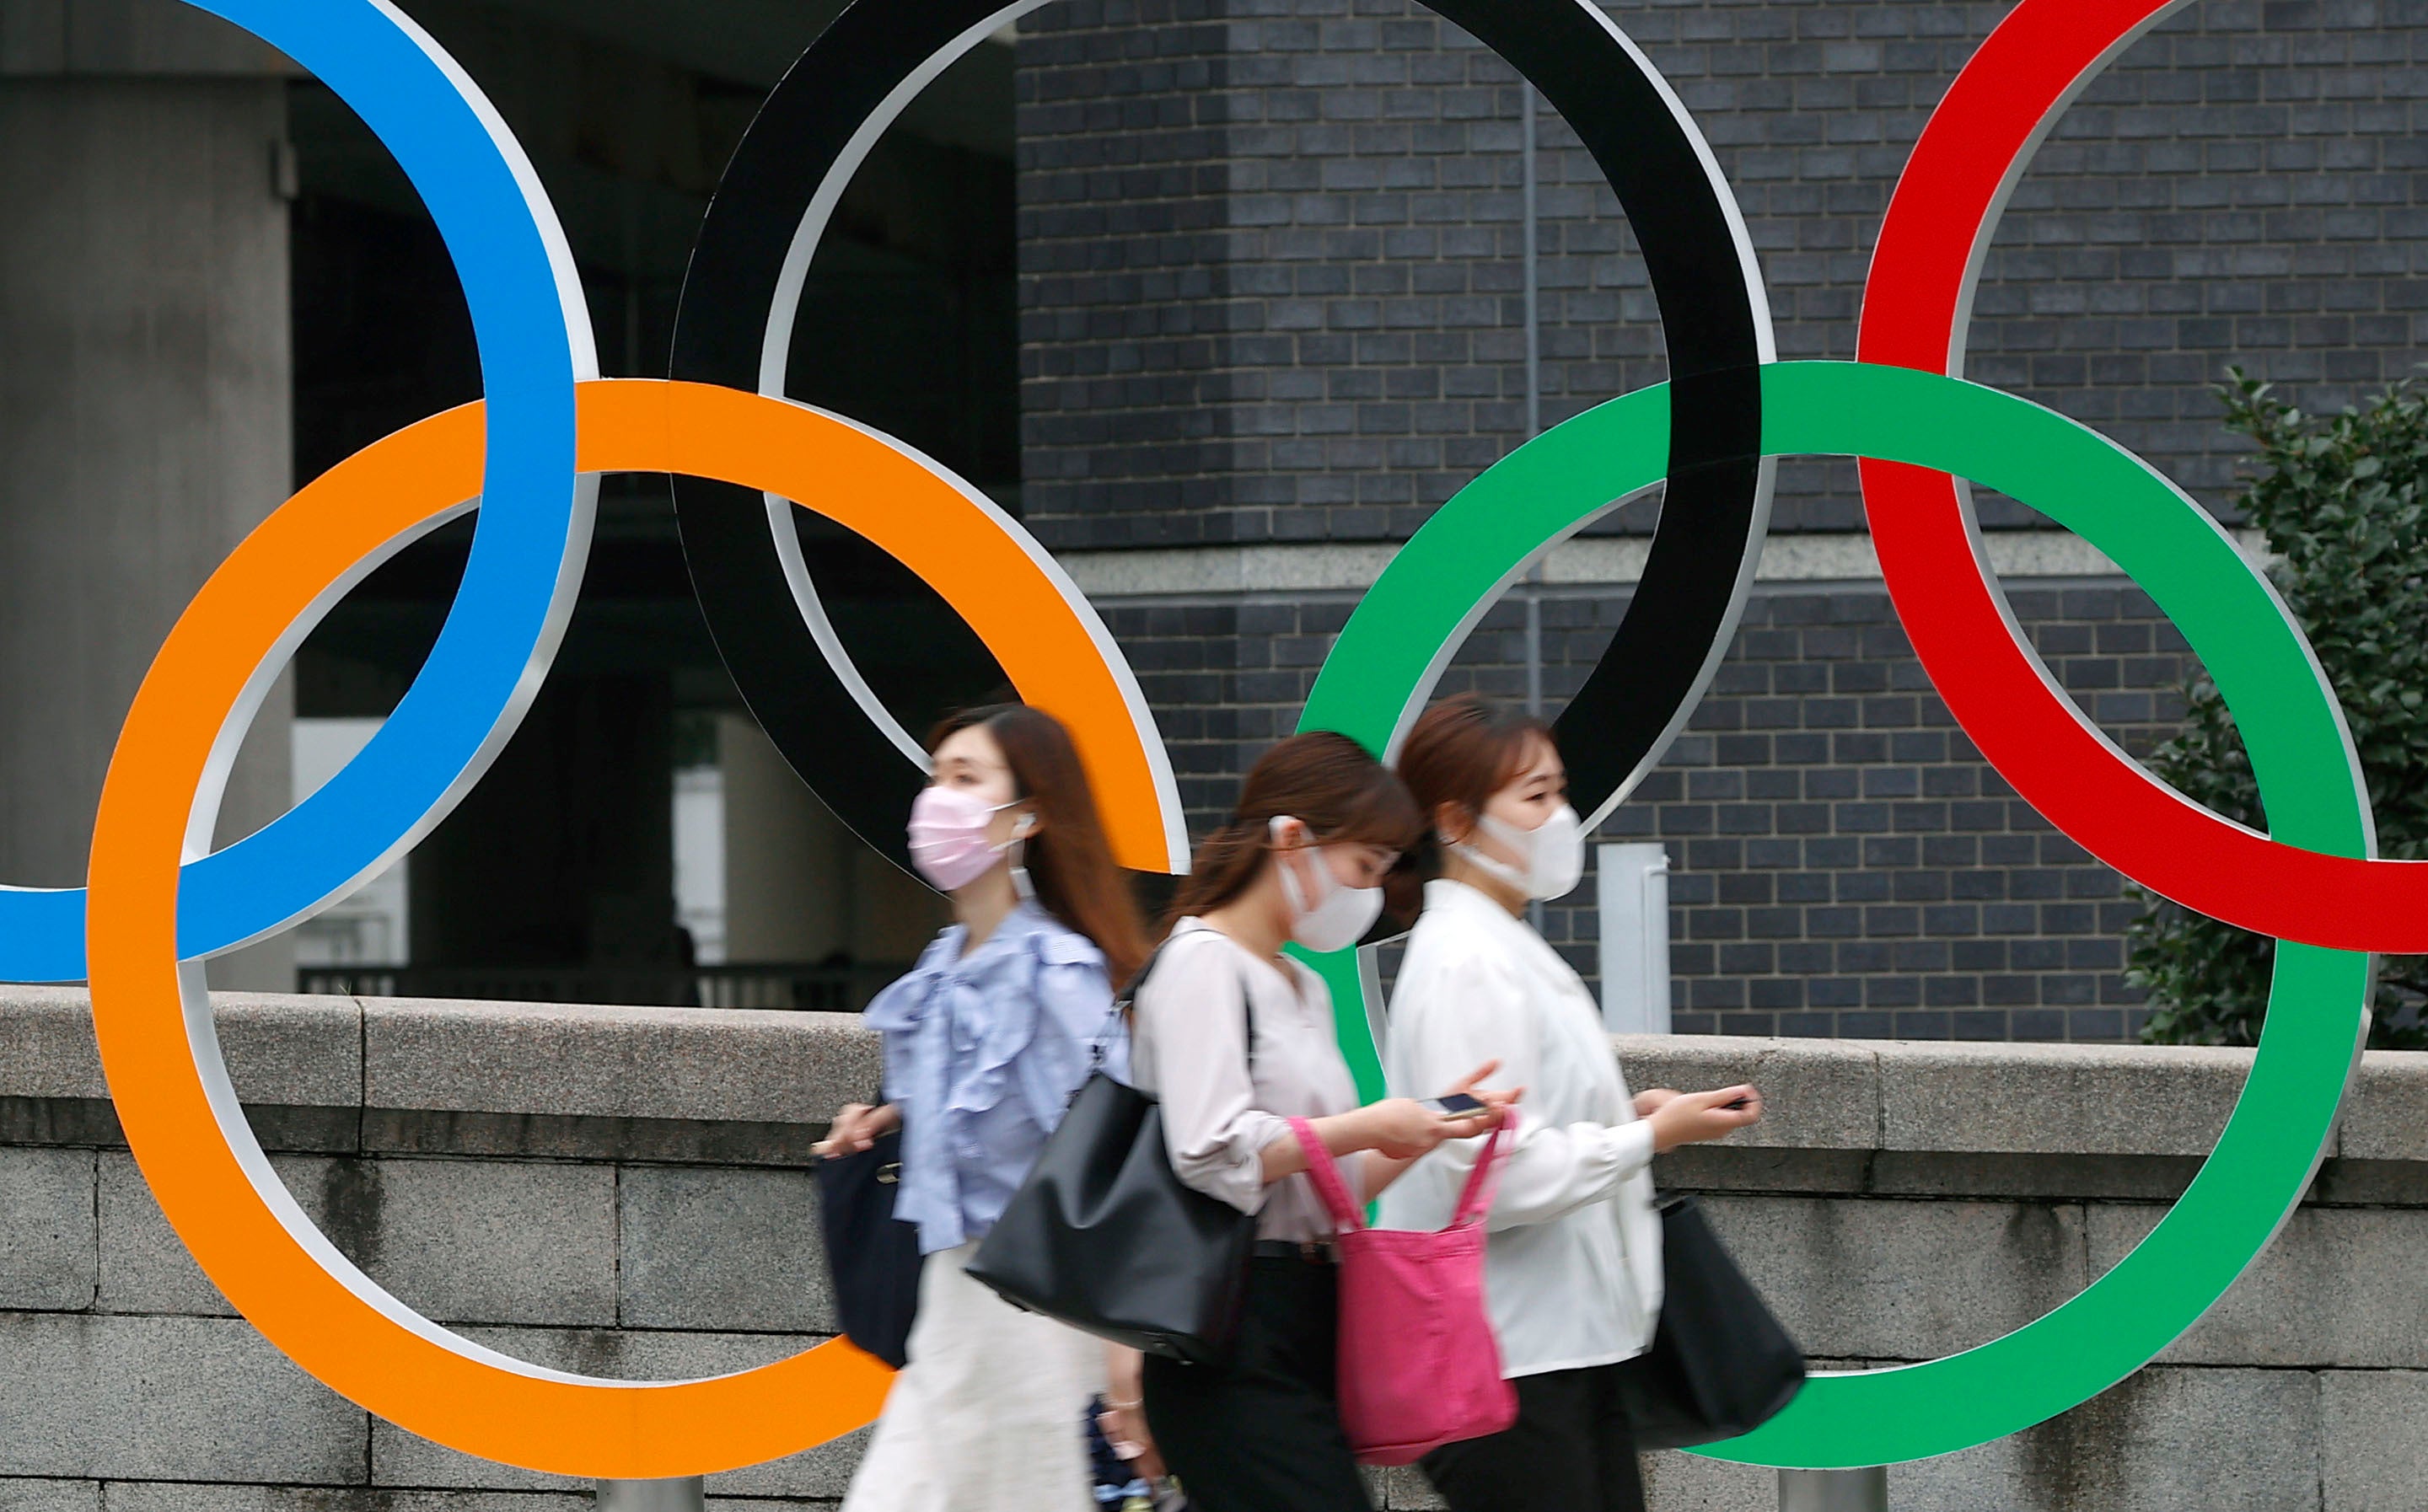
(987, 1416)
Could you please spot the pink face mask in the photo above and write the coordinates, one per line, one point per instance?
(948, 837)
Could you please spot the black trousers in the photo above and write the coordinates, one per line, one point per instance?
(1261, 1432)
(1572, 1450)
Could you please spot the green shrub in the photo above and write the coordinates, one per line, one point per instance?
(2344, 503)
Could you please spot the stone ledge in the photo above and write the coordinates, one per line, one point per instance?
(293, 1051)
(512, 1062)
(583, 1081)
(2123, 1100)
(713, 1064)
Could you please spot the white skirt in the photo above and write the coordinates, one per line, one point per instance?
(987, 1414)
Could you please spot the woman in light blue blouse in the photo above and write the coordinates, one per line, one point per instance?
(985, 1042)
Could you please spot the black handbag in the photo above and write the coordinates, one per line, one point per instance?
(1103, 1236)
(1720, 1364)
(873, 1255)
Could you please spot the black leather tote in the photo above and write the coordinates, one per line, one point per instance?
(873, 1255)
(1103, 1236)
(1720, 1364)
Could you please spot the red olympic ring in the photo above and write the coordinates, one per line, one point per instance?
(1916, 303)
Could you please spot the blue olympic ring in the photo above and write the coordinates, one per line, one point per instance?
(533, 332)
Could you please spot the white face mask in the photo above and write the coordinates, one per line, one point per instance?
(1337, 918)
(1554, 853)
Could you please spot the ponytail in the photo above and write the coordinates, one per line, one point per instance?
(1225, 863)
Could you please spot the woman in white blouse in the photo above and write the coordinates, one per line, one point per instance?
(1236, 1038)
(1572, 1269)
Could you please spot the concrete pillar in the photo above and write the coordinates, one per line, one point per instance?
(799, 886)
(784, 856)
(1834, 1490)
(688, 1494)
(894, 915)
(144, 394)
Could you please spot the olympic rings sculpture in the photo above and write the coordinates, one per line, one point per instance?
(158, 903)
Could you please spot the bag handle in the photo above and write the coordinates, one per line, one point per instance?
(1325, 1174)
(1475, 1199)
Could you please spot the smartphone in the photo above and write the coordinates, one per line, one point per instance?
(1455, 1105)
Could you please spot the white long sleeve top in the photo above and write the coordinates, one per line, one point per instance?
(1572, 1269)
(1189, 1047)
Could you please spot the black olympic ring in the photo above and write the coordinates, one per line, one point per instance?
(735, 322)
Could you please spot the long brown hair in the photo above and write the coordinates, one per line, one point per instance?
(1068, 861)
(1464, 750)
(1342, 793)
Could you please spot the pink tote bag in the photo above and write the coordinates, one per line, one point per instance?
(1419, 1367)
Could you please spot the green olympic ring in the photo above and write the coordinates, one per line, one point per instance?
(1394, 648)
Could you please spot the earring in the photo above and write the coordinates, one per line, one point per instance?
(1022, 887)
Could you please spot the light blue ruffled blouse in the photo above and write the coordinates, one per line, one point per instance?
(983, 1052)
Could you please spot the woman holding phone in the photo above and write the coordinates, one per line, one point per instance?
(1237, 1038)
(986, 1040)
(1572, 1268)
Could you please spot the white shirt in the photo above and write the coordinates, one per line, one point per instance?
(1572, 1269)
(1189, 1050)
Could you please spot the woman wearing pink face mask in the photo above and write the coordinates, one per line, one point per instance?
(986, 1039)
(1237, 1039)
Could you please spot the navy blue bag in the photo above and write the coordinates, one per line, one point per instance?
(873, 1256)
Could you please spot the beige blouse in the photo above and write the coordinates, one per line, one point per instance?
(1189, 1047)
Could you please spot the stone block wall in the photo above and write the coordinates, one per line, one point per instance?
(564, 1185)
(624, 1192)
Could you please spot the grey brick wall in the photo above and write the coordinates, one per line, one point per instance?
(1844, 862)
(1270, 261)
(1272, 291)
(1271, 247)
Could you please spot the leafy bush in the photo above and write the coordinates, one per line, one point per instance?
(2344, 503)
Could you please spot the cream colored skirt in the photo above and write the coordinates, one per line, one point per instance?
(987, 1415)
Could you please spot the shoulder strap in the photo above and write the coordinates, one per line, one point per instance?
(1125, 1001)
(1248, 1021)
(1325, 1174)
(1126, 997)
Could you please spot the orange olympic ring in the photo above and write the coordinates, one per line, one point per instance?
(153, 1020)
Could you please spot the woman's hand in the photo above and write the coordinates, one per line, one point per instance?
(1692, 1117)
(1396, 1130)
(1497, 1100)
(1401, 1129)
(856, 1127)
(1652, 1099)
